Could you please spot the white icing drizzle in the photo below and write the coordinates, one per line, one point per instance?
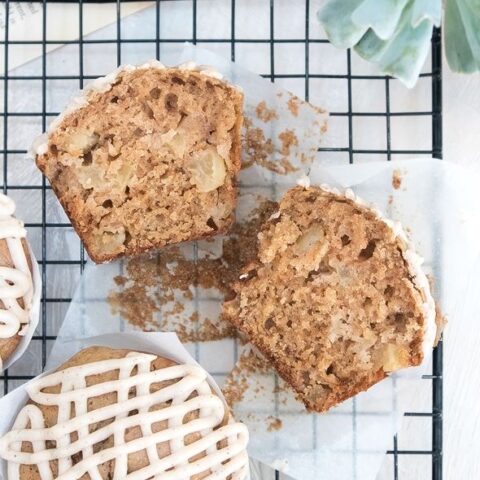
(15, 282)
(230, 458)
(412, 259)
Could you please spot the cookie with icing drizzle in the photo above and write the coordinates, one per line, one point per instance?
(16, 280)
(119, 414)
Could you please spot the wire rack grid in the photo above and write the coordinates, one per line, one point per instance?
(303, 42)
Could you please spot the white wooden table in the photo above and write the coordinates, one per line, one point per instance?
(461, 100)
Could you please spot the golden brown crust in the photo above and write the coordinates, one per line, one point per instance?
(135, 461)
(9, 345)
(150, 162)
(330, 300)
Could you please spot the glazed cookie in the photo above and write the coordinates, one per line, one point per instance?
(109, 413)
(336, 299)
(16, 280)
(146, 157)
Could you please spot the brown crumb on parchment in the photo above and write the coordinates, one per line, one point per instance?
(259, 150)
(293, 105)
(289, 140)
(274, 424)
(237, 382)
(287, 166)
(152, 292)
(397, 179)
(234, 388)
(256, 148)
(323, 126)
(242, 379)
(276, 153)
(264, 113)
(119, 280)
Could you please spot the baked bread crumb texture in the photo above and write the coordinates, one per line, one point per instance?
(148, 160)
(332, 300)
(108, 413)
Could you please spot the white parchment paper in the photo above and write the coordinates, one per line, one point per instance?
(162, 344)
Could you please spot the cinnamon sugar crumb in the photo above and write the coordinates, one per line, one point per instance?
(274, 424)
(119, 280)
(237, 382)
(397, 179)
(260, 150)
(152, 293)
(234, 390)
(256, 147)
(288, 139)
(264, 113)
(287, 166)
(293, 105)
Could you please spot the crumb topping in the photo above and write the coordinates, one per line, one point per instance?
(151, 294)
(397, 179)
(264, 113)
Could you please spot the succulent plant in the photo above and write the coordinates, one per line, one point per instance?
(395, 34)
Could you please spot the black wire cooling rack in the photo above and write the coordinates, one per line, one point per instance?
(272, 42)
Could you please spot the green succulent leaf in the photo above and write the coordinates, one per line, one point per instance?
(380, 16)
(404, 53)
(462, 35)
(336, 18)
(395, 34)
(427, 10)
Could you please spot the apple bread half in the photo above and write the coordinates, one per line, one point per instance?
(146, 157)
(336, 299)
